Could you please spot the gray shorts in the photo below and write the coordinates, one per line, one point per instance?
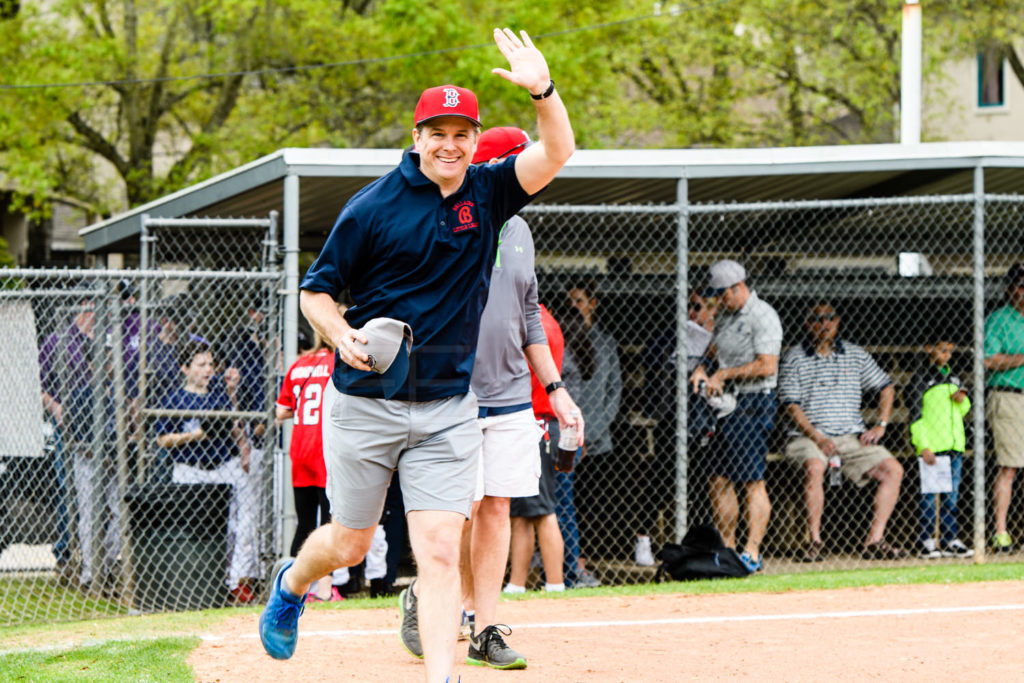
(434, 445)
(857, 460)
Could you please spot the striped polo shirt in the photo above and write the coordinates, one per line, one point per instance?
(829, 388)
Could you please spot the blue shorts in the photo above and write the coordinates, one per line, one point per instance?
(743, 436)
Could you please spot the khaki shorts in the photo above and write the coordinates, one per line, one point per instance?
(1005, 412)
(857, 460)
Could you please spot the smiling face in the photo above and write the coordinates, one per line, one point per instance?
(940, 353)
(446, 145)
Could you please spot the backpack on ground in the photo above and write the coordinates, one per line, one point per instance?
(701, 555)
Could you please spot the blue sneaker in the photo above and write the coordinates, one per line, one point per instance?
(752, 565)
(279, 623)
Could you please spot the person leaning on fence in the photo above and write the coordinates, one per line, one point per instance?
(938, 403)
(821, 385)
(212, 450)
(747, 340)
(415, 250)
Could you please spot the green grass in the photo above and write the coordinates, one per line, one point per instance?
(161, 660)
(43, 600)
(154, 647)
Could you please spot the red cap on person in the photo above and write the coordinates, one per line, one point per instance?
(447, 100)
(501, 142)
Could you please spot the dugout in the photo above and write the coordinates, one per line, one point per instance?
(809, 222)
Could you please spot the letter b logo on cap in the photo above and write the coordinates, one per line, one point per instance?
(451, 97)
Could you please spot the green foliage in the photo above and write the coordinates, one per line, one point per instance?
(727, 74)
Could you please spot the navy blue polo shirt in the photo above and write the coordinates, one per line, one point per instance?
(405, 252)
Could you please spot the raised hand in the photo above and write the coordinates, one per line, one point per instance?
(527, 66)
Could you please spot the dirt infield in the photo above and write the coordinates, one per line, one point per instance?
(907, 633)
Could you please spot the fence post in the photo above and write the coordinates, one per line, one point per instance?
(682, 369)
(290, 302)
(979, 368)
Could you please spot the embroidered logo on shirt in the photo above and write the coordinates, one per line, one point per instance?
(464, 213)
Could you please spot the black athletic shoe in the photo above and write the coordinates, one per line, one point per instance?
(489, 649)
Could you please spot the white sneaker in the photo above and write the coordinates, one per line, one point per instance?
(956, 548)
(512, 588)
(929, 550)
(643, 555)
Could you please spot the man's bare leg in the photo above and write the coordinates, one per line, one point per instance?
(329, 547)
(489, 552)
(435, 537)
(522, 550)
(552, 548)
(725, 508)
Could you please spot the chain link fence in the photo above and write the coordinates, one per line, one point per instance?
(141, 481)
(893, 277)
(109, 506)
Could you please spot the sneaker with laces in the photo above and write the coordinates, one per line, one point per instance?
(750, 563)
(956, 548)
(409, 631)
(642, 553)
(1002, 543)
(279, 623)
(929, 550)
(467, 626)
(587, 580)
(489, 649)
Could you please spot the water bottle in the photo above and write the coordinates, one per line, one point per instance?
(835, 471)
(566, 458)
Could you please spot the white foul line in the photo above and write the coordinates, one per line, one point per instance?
(800, 616)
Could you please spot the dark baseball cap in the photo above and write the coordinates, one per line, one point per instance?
(389, 343)
(1015, 275)
(447, 100)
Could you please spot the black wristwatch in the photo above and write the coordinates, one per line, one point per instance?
(546, 94)
(554, 386)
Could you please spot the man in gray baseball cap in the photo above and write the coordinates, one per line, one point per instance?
(747, 339)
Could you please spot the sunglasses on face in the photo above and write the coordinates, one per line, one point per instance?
(823, 317)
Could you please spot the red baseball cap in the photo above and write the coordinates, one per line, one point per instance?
(447, 100)
(501, 142)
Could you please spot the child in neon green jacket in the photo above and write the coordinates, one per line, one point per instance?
(938, 403)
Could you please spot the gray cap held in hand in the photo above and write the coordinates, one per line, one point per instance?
(389, 343)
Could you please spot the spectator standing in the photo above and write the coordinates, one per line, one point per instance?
(207, 449)
(938, 403)
(1004, 361)
(579, 366)
(532, 514)
(70, 366)
(822, 384)
(415, 249)
(661, 365)
(747, 339)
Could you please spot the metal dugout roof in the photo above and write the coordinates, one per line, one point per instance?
(322, 180)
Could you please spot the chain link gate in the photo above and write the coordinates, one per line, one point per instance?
(98, 515)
